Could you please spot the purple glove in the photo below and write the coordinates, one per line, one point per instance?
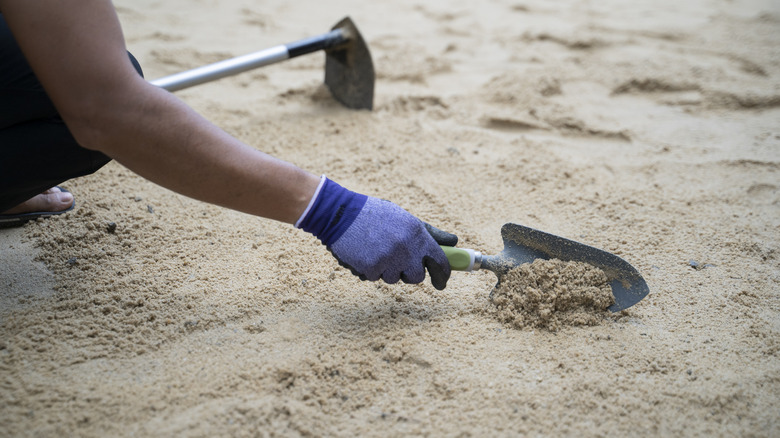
(375, 238)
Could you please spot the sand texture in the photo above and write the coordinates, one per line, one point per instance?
(552, 293)
(648, 129)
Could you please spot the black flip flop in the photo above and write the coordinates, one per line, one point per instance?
(17, 220)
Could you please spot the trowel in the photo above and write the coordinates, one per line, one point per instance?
(524, 245)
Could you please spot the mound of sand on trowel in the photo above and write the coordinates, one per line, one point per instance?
(551, 294)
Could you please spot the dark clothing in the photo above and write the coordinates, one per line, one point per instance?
(37, 151)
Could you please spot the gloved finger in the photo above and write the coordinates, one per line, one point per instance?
(391, 276)
(359, 275)
(414, 274)
(370, 276)
(439, 272)
(441, 237)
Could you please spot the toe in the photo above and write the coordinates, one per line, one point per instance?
(58, 201)
(52, 200)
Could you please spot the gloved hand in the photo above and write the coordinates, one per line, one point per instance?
(376, 238)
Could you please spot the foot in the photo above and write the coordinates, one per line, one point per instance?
(52, 200)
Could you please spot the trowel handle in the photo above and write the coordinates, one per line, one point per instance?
(463, 259)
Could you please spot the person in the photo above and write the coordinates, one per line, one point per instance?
(71, 99)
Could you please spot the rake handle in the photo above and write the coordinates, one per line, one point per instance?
(240, 64)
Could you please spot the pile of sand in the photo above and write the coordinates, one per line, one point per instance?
(552, 293)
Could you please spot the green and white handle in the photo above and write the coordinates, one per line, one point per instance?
(461, 259)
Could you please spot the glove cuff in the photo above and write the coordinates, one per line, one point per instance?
(311, 202)
(331, 211)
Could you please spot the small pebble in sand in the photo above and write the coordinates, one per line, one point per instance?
(551, 294)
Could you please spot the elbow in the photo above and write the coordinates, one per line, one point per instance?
(97, 117)
(89, 127)
(104, 120)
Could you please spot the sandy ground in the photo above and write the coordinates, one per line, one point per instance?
(650, 130)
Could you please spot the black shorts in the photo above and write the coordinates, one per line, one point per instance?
(37, 151)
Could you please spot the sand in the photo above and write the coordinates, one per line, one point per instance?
(552, 293)
(647, 130)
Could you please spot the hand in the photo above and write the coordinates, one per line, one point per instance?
(375, 238)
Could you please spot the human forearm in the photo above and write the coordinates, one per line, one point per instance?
(163, 140)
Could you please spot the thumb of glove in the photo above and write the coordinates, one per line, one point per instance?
(439, 275)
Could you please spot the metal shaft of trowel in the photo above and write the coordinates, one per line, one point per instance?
(239, 64)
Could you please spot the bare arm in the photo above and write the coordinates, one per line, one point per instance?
(77, 50)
